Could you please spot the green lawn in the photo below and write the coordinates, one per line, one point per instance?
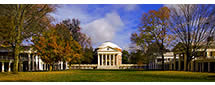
(108, 76)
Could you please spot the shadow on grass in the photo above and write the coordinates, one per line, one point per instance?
(15, 81)
(191, 79)
(212, 77)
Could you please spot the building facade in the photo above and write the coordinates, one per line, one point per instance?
(28, 61)
(109, 56)
(204, 62)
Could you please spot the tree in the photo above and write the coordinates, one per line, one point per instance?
(57, 44)
(88, 55)
(77, 53)
(137, 57)
(125, 56)
(75, 30)
(50, 47)
(85, 41)
(193, 26)
(154, 29)
(23, 21)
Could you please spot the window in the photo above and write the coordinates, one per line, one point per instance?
(211, 53)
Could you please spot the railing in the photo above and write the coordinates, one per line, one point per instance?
(210, 57)
(6, 58)
(97, 64)
(133, 65)
(84, 65)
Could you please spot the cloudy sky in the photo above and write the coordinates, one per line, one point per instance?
(108, 22)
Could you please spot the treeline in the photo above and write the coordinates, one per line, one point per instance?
(63, 41)
(180, 28)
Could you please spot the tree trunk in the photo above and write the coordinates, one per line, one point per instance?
(162, 62)
(18, 26)
(174, 61)
(70, 67)
(16, 58)
(185, 62)
(50, 67)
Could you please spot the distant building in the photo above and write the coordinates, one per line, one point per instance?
(203, 62)
(168, 57)
(109, 57)
(28, 61)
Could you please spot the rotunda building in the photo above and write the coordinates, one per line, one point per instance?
(109, 56)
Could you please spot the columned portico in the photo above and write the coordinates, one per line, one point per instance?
(114, 60)
(2, 67)
(102, 60)
(108, 61)
(105, 59)
(33, 62)
(109, 56)
(9, 66)
(29, 62)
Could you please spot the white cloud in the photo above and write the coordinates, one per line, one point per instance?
(174, 7)
(73, 11)
(130, 7)
(104, 29)
(101, 23)
(126, 7)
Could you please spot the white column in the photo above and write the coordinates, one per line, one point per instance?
(9, 66)
(102, 60)
(117, 60)
(110, 59)
(208, 54)
(66, 66)
(106, 59)
(114, 59)
(29, 62)
(62, 65)
(2, 67)
(40, 63)
(98, 60)
(36, 60)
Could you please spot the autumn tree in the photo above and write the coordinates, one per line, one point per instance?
(57, 44)
(49, 46)
(154, 29)
(77, 54)
(193, 26)
(20, 22)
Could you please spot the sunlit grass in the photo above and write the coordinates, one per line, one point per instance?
(108, 76)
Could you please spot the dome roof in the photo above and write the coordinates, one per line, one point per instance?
(110, 44)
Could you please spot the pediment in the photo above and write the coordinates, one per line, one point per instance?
(108, 49)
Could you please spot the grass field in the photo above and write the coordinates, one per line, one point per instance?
(108, 76)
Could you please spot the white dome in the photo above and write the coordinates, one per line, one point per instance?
(110, 44)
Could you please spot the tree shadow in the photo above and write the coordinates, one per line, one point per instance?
(15, 81)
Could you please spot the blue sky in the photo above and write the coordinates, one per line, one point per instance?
(107, 22)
